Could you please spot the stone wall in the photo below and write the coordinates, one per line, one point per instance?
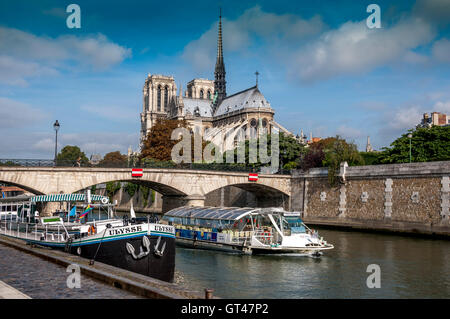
(401, 197)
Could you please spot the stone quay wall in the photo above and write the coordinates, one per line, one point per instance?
(397, 197)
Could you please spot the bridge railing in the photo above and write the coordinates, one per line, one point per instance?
(137, 164)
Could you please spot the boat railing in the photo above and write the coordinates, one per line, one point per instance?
(31, 231)
(264, 236)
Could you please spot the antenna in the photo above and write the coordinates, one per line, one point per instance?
(257, 74)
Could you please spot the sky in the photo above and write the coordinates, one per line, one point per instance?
(323, 70)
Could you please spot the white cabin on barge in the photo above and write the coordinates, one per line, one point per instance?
(245, 230)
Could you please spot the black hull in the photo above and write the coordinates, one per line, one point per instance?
(115, 253)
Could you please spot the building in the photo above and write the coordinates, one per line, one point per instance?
(95, 159)
(369, 147)
(12, 191)
(436, 118)
(207, 107)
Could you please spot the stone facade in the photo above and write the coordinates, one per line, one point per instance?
(416, 200)
(365, 199)
(403, 197)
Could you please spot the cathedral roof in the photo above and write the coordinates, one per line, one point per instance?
(250, 98)
(202, 106)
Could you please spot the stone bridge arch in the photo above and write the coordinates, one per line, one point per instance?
(178, 187)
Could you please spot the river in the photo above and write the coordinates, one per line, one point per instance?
(410, 268)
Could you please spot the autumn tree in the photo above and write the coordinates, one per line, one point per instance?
(113, 159)
(158, 144)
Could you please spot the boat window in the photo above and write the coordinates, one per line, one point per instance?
(262, 221)
(294, 224)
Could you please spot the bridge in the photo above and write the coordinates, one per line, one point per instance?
(178, 186)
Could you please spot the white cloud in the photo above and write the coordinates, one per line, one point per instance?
(25, 55)
(285, 29)
(14, 114)
(441, 50)
(349, 133)
(443, 107)
(356, 49)
(88, 142)
(14, 72)
(111, 112)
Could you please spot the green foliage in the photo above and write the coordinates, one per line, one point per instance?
(71, 154)
(150, 162)
(131, 189)
(370, 158)
(288, 153)
(93, 189)
(112, 188)
(153, 196)
(145, 192)
(8, 163)
(338, 152)
(427, 145)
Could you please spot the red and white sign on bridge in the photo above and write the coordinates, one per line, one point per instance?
(137, 172)
(252, 177)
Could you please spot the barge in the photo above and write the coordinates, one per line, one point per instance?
(245, 230)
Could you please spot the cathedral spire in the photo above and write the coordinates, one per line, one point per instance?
(219, 72)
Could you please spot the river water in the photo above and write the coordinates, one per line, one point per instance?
(409, 268)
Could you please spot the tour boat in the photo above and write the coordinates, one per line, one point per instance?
(140, 245)
(245, 230)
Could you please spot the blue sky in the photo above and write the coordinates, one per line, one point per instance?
(322, 69)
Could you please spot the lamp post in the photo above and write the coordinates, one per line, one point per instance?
(56, 127)
(410, 137)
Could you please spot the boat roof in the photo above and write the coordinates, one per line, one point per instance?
(223, 213)
(67, 198)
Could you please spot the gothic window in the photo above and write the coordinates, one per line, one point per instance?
(253, 124)
(166, 98)
(158, 102)
(202, 96)
(209, 97)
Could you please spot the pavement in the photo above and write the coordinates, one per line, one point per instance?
(8, 292)
(120, 278)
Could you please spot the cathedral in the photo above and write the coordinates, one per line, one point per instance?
(207, 108)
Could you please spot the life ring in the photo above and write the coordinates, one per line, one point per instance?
(104, 200)
(91, 230)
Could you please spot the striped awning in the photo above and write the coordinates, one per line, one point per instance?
(68, 198)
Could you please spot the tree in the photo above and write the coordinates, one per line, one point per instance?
(69, 156)
(113, 159)
(158, 144)
(338, 152)
(427, 145)
(370, 158)
(289, 151)
(313, 157)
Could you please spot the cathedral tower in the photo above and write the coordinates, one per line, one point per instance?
(220, 87)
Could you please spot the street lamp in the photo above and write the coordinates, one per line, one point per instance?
(56, 127)
(410, 137)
